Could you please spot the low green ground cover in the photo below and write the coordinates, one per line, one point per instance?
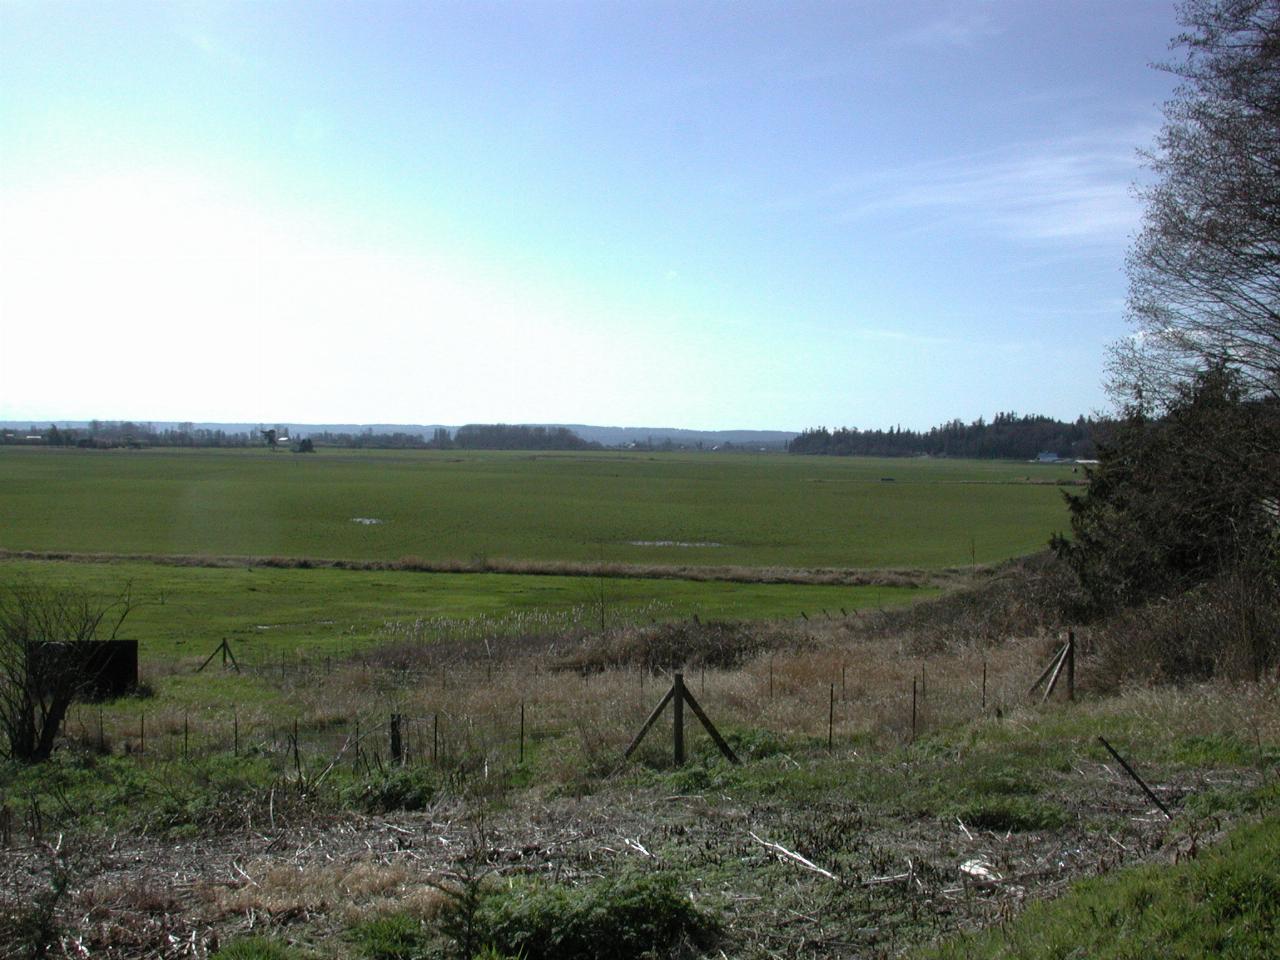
(1225, 903)
(656, 508)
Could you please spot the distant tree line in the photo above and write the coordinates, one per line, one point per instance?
(126, 433)
(504, 436)
(1008, 436)
(367, 439)
(473, 436)
(476, 436)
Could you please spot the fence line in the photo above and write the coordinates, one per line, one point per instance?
(449, 734)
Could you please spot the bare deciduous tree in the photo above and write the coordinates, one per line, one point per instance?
(1204, 273)
(39, 627)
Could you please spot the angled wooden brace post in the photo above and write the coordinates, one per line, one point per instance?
(223, 648)
(1066, 659)
(1054, 665)
(678, 696)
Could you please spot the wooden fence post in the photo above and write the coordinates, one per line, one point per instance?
(831, 719)
(225, 649)
(913, 709)
(677, 706)
(1054, 665)
(1071, 665)
(397, 749)
(1063, 656)
(680, 694)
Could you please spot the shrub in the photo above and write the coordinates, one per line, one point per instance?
(1016, 813)
(396, 936)
(257, 948)
(41, 629)
(399, 788)
(631, 917)
(1022, 597)
(1227, 627)
(1179, 500)
(669, 646)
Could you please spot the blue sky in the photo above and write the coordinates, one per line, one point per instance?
(708, 215)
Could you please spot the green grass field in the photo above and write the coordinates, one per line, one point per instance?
(438, 506)
(185, 611)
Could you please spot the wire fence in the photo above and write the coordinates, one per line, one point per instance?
(488, 715)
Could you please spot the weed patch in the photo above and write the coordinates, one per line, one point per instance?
(670, 646)
(400, 788)
(1010, 813)
(258, 948)
(633, 916)
(396, 936)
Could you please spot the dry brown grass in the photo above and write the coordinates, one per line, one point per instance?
(579, 722)
(1029, 597)
(1227, 628)
(836, 576)
(352, 891)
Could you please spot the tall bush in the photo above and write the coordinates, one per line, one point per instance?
(1184, 500)
(38, 625)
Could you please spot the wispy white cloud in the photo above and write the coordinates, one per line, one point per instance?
(960, 25)
(906, 337)
(1071, 189)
